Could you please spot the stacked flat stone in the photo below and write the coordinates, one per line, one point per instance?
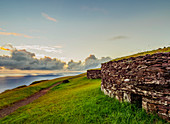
(142, 78)
(94, 74)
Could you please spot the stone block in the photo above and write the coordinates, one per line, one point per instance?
(127, 97)
(152, 107)
(145, 105)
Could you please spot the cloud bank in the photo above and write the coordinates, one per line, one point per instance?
(89, 63)
(24, 60)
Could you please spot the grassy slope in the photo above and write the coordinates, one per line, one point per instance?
(11, 96)
(162, 50)
(79, 101)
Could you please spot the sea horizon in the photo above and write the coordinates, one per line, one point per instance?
(11, 81)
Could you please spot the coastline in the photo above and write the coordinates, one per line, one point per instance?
(9, 83)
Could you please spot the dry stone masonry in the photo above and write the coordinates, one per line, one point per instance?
(94, 74)
(144, 80)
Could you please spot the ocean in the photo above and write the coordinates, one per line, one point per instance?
(10, 82)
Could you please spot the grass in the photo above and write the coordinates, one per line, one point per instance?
(79, 102)
(11, 96)
(160, 50)
(95, 69)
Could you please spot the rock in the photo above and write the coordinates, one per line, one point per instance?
(65, 81)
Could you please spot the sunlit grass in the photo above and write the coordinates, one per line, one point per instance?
(77, 102)
(11, 96)
(160, 50)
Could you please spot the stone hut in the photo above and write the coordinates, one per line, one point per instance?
(144, 80)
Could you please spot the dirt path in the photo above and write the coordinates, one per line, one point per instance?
(8, 110)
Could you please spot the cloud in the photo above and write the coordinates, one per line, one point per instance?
(24, 60)
(75, 66)
(15, 34)
(93, 62)
(48, 17)
(89, 63)
(118, 38)
(49, 49)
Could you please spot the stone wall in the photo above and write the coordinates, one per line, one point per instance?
(94, 74)
(143, 79)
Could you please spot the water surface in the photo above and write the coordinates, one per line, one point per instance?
(15, 81)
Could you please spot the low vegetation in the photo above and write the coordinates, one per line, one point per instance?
(160, 50)
(10, 96)
(95, 69)
(79, 101)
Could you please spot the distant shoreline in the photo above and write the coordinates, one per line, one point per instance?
(9, 83)
(20, 74)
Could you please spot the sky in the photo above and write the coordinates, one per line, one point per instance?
(75, 29)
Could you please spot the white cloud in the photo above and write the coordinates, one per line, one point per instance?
(49, 49)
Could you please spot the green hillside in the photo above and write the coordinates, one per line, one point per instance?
(11, 96)
(79, 102)
(160, 50)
